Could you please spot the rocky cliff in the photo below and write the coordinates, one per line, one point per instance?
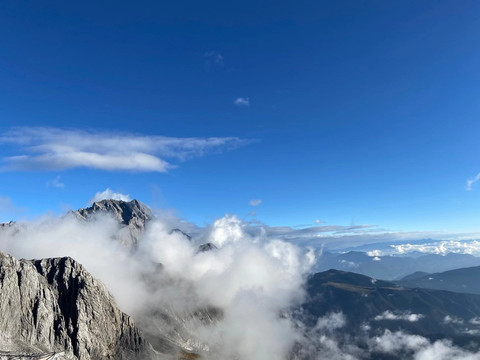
(56, 306)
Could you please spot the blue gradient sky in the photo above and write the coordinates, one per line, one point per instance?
(352, 111)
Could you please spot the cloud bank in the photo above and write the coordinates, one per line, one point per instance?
(53, 149)
(239, 289)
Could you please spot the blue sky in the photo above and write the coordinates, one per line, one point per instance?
(348, 112)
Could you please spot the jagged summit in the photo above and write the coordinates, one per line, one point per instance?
(127, 212)
(132, 215)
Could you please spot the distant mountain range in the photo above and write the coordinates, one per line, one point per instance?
(465, 280)
(393, 267)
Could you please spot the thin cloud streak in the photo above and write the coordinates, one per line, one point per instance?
(472, 181)
(50, 149)
(56, 183)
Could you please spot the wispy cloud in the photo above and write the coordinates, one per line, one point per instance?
(44, 148)
(472, 181)
(213, 59)
(255, 202)
(242, 101)
(56, 183)
(452, 320)
(109, 195)
(312, 235)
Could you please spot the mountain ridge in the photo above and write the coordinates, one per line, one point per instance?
(463, 280)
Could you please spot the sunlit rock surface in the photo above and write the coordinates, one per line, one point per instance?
(56, 306)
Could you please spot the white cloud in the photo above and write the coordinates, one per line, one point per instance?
(444, 350)
(109, 195)
(47, 149)
(475, 321)
(318, 221)
(441, 247)
(338, 237)
(349, 264)
(393, 342)
(452, 320)
(472, 181)
(331, 322)
(335, 346)
(405, 316)
(255, 202)
(228, 229)
(374, 253)
(242, 101)
(56, 183)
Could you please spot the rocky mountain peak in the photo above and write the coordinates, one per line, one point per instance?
(127, 212)
(132, 215)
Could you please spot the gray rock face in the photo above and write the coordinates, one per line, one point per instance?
(132, 215)
(55, 305)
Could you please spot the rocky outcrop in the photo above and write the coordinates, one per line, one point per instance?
(55, 305)
(206, 247)
(7, 225)
(132, 215)
(178, 231)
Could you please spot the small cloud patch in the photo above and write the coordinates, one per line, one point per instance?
(242, 102)
(109, 195)
(404, 316)
(255, 202)
(56, 183)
